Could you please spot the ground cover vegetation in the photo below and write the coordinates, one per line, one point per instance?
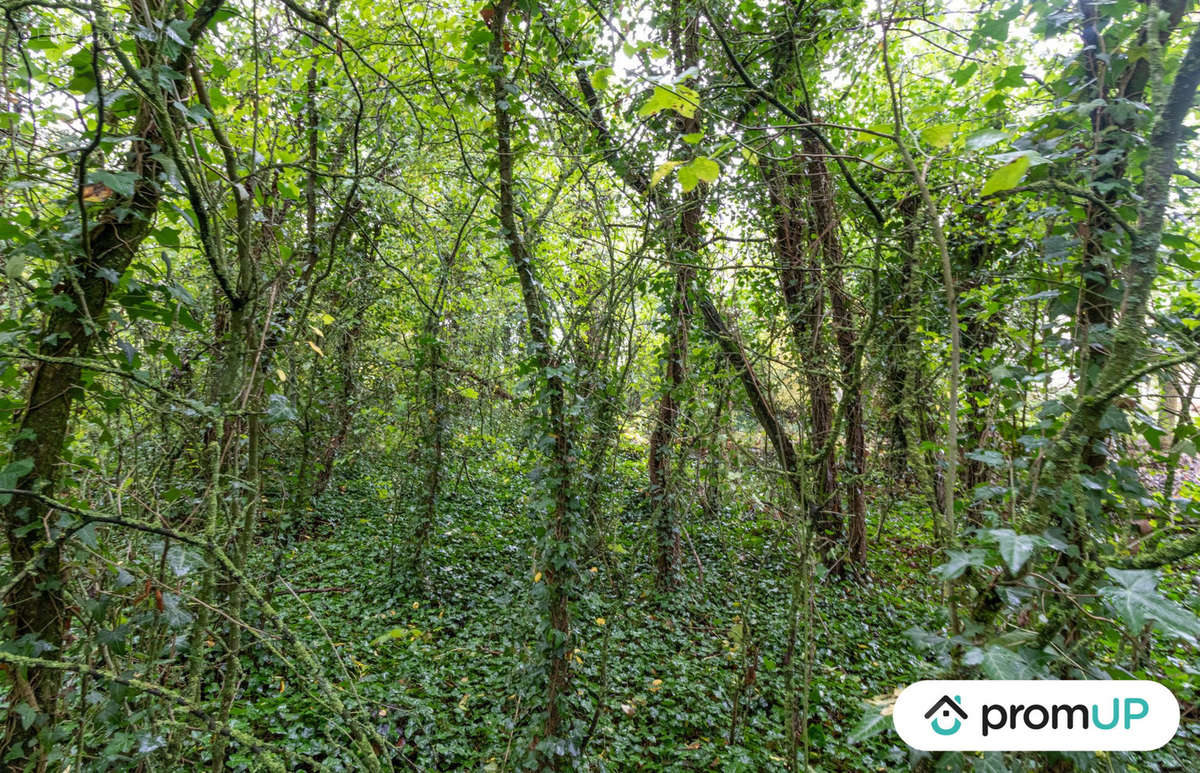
(580, 385)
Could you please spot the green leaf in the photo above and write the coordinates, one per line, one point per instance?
(962, 75)
(938, 136)
(662, 171)
(12, 474)
(681, 99)
(985, 138)
(1002, 663)
(1006, 176)
(14, 266)
(27, 713)
(1136, 600)
(688, 178)
(600, 78)
(873, 722)
(1015, 548)
(705, 168)
(122, 183)
(990, 762)
(958, 561)
(693, 138)
(989, 456)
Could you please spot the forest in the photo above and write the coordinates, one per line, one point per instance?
(597, 385)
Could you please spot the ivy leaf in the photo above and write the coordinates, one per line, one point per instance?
(662, 171)
(12, 474)
(279, 409)
(938, 136)
(1006, 176)
(1002, 663)
(27, 714)
(989, 456)
(121, 182)
(1014, 548)
(1135, 599)
(958, 561)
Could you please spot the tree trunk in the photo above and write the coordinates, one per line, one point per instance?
(36, 606)
(557, 550)
(826, 225)
(799, 282)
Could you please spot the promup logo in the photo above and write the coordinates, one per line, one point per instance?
(948, 705)
(1036, 715)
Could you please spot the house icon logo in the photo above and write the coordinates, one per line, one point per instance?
(945, 706)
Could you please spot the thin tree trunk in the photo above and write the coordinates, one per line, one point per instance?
(556, 558)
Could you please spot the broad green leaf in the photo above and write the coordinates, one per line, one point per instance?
(989, 456)
(1006, 176)
(12, 474)
(14, 266)
(688, 179)
(1002, 663)
(1014, 548)
(705, 168)
(958, 561)
(681, 99)
(985, 138)
(662, 171)
(938, 136)
(990, 762)
(872, 723)
(600, 78)
(693, 138)
(121, 182)
(1136, 600)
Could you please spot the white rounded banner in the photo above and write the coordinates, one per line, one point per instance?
(1036, 715)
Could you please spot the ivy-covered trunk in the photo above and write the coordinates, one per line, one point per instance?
(556, 548)
(36, 607)
(804, 297)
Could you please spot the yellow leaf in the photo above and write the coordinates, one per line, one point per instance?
(328, 320)
(537, 577)
(655, 685)
(317, 331)
(282, 685)
(416, 605)
(316, 348)
(662, 171)
(599, 621)
(462, 703)
(282, 376)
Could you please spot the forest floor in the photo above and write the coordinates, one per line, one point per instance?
(694, 680)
